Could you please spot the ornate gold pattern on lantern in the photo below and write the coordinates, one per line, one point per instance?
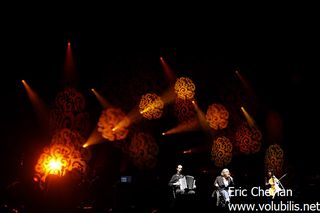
(221, 151)
(151, 106)
(144, 150)
(113, 124)
(184, 110)
(248, 139)
(217, 116)
(63, 155)
(68, 112)
(184, 88)
(274, 159)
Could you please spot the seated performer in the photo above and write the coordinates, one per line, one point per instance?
(178, 182)
(222, 183)
(272, 183)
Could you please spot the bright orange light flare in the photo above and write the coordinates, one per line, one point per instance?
(54, 166)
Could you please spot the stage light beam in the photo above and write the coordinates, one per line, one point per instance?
(38, 105)
(201, 117)
(249, 119)
(168, 71)
(103, 102)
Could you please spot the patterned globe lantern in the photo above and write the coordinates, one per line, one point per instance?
(217, 116)
(144, 150)
(184, 110)
(151, 106)
(113, 124)
(64, 154)
(274, 159)
(221, 152)
(248, 139)
(185, 88)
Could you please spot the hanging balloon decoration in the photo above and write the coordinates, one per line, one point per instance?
(144, 150)
(274, 159)
(221, 152)
(184, 88)
(151, 106)
(113, 124)
(248, 139)
(184, 110)
(217, 116)
(68, 112)
(64, 154)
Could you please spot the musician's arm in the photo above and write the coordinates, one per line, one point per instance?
(216, 183)
(174, 181)
(231, 181)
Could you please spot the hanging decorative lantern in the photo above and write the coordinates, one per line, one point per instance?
(221, 152)
(274, 158)
(184, 110)
(248, 139)
(144, 150)
(113, 124)
(217, 116)
(185, 88)
(64, 154)
(151, 106)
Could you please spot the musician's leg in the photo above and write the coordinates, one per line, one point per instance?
(191, 192)
(225, 195)
(179, 192)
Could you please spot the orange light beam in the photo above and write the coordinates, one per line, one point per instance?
(168, 96)
(37, 103)
(183, 127)
(69, 67)
(94, 138)
(201, 117)
(249, 119)
(168, 71)
(103, 102)
(248, 88)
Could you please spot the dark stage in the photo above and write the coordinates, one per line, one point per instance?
(126, 167)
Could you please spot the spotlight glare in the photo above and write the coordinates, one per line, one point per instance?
(92, 89)
(23, 81)
(85, 145)
(163, 133)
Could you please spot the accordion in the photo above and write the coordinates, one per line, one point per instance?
(187, 182)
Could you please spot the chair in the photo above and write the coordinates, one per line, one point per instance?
(219, 197)
(187, 186)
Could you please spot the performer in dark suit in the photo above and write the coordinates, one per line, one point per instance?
(176, 184)
(222, 183)
(174, 181)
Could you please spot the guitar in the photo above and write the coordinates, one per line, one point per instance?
(275, 185)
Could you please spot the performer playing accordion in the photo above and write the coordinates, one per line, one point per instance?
(182, 184)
